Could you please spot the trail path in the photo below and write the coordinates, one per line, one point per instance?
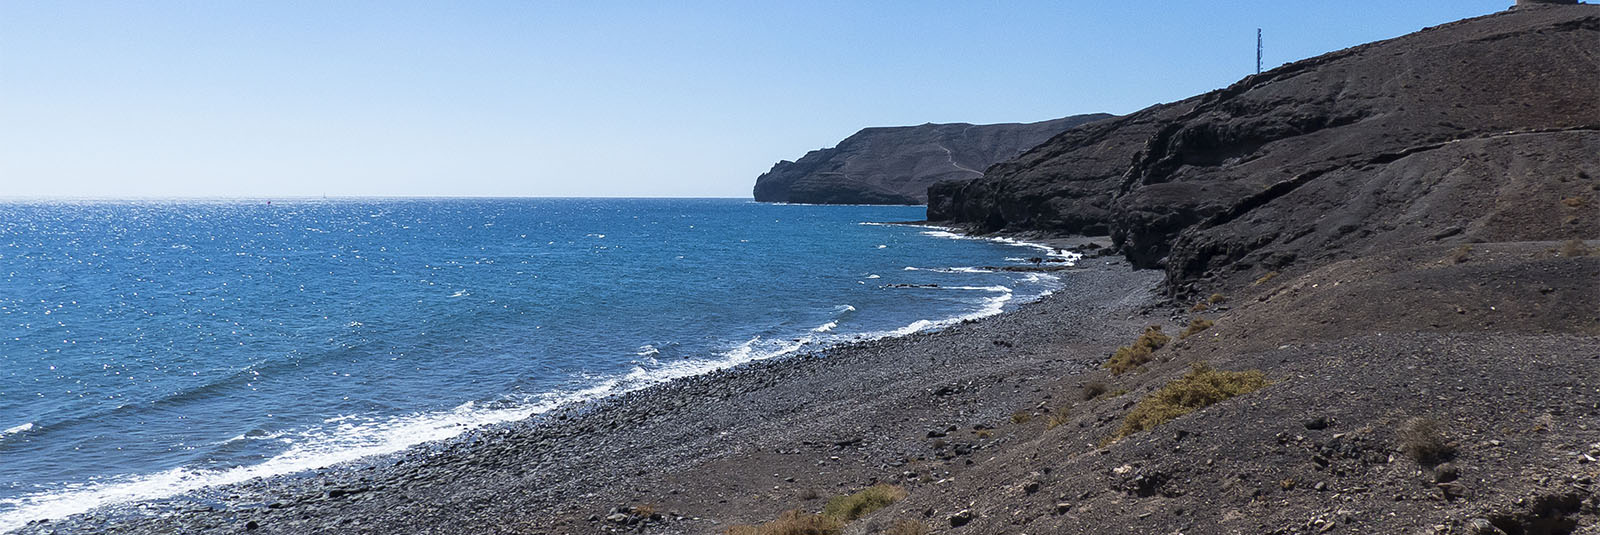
(950, 155)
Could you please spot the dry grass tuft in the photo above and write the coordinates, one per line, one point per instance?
(1264, 278)
(1094, 389)
(1574, 249)
(791, 523)
(1021, 417)
(850, 507)
(1425, 441)
(1129, 358)
(1058, 417)
(1195, 326)
(1461, 254)
(1200, 307)
(906, 526)
(1216, 299)
(1200, 388)
(839, 511)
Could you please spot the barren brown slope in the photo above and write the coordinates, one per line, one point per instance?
(1500, 349)
(1149, 177)
(895, 165)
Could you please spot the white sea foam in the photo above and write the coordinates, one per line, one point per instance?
(16, 430)
(995, 288)
(348, 438)
(312, 448)
(989, 307)
(825, 327)
(951, 270)
(940, 232)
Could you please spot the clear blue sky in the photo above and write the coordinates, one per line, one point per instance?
(570, 98)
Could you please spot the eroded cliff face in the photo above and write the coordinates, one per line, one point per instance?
(1483, 129)
(896, 165)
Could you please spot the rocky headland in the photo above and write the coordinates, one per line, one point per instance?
(895, 165)
(1359, 293)
(1479, 130)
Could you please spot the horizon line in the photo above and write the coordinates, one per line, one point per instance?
(10, 198)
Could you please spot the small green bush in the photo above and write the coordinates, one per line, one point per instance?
(1129, 358)
(850, 507)
(1195, 326)
(1200, 388)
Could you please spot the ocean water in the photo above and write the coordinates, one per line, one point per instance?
(149, 348)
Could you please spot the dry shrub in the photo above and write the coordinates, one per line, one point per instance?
(1425, 441)
(1200, 388)
(850, 507)
(1129, 358)
(906, 526)
(791, 523)
(1216, 298)
(839, 511)
(1021, 417)
(1058, 417)
(1264, 278)
(1093, 390)
(1574, 248)
(1461, 254)
(1195, 326)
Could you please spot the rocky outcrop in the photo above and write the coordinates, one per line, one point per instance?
(1483, 129)
(896, 165)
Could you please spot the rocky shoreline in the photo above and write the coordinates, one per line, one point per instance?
(1377, 312)
(564, 467)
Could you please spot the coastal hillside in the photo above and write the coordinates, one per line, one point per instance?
(1377, 310)
(895, 165)
(1479, 130)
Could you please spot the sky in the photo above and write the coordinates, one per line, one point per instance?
(164, 99)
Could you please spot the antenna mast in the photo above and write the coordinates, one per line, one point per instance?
(1258, 50)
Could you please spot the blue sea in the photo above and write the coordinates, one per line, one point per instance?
(154, 347)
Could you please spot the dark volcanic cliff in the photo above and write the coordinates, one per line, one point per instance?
(1486, 129)
(896, 165)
